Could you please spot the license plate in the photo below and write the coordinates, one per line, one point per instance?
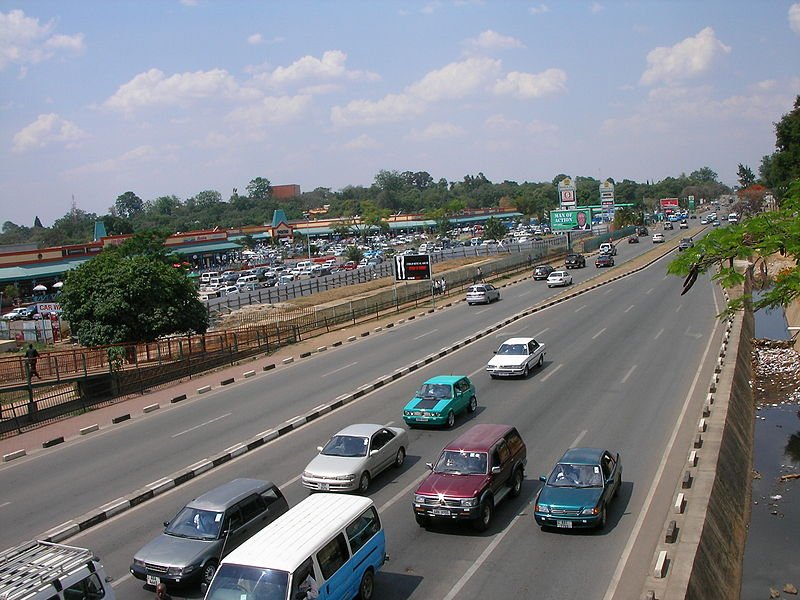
(153, 580)
(422, 418)
(564, 524)
(324, 486)
(442, 512)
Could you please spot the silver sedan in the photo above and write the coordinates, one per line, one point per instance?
(355, 456)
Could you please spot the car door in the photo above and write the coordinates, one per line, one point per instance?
(610, 475)
(381, 445)
(232, 523)
(462, 390)
(500, 457)
(530, 360)
(254, 516)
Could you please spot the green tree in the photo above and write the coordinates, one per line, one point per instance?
(494, 229)
(259, 189)
(784, 166)
(353, 253)
(745, 175)
(704, 175)
(123, 295)
(128, 205)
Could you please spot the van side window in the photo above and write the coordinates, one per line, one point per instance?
(501, 454)
(514, 441)
(86, 589)
(332, 556)
(251, 507)
(362, 529)
(300, 576)
(269, 496)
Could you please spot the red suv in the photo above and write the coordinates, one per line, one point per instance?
(474, 472)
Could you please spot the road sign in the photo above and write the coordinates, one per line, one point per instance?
(412, 267)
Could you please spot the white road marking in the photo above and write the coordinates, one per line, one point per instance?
(658, 335)
(352, 364)
(629, 308)
(551, 373)
(476, 371)
(623, 559)
(483, 310)
(650, 291)
(122, 579)
(578, 439)
(524, 293)
(628, 374)
(598, 334)
(542, 332)
(677, 308)
(403, 493)
(426, 333)
(608, 291)
(4, 504)
(202, 424)
(580, 308)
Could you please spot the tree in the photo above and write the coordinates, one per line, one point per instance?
(784, 165)
(353, 253)
(745, 175)
(704, 175)
(494, 229)
(755, 239)
(259, 189)
(128, 205)
(122, 295)
(37, 222)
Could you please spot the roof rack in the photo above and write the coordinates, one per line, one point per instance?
(35, 566)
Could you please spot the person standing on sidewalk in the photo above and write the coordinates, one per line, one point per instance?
(31, 356)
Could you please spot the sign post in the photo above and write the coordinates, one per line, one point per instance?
(414, 267)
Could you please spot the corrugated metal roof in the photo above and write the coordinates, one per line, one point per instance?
(40, 271)
(205, 248)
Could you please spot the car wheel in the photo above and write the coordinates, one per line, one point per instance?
(473, 405)
(422, 521)
(601, 523)
(208, 572)
(548, 285)
(485, 517)
(400, 458)
(451, 419)
(516, 484)
(363, 483)
(541, 360)
(367, 586)
(525, 372)
(492, 375)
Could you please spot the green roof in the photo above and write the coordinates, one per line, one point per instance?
(39, 271)
(206, 248)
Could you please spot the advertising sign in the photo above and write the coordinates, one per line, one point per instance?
(571, 220)
(44, 308)
(567, 196)
(607, 191)
(669, 203)
(691, 203)
(412, 266)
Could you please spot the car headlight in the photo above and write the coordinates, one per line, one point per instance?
(542, 508)
(418, 499)
(175, 571)
(138, 562)
(469, 502)
(591, 511)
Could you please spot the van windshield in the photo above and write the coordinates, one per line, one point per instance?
(237, 582)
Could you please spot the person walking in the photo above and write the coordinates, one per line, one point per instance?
(443, 285)
(31, 356)
(478, 275)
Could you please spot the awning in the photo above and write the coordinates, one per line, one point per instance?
(39, 271)
(212, 247)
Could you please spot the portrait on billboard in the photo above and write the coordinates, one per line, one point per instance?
(582, 221)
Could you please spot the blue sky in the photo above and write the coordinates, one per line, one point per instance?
(176, 97)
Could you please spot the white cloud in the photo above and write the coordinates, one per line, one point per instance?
(190, 3)
(596, 7)
(332, 65)
(430, 8)
(794, 17)
(154, 88)
(362, 142)
(141, 155)
(456, 80)
(532, 85)
(272, 109)
(255, 39)
(436, 131)
(489, 40)
(24, 41)
(686, 59)
(393, 107)
(539, 10)
(46, 130)
(502, 124)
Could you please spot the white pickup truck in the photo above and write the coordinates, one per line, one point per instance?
(608, 248)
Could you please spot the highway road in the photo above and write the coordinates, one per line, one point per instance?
(620, 372)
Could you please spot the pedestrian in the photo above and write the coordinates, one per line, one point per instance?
(443, 285)
(31, 356)
(530, 260)
(478, 275)
(161, 592)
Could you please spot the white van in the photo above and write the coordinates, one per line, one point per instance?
(47, 571)
(208, 276)
(247, 280)
(332, 544)
(304, 264)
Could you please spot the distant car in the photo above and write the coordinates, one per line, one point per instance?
(229, 290)
(634, 239)
(608, 248)
(668, 225)
(579, 489)
(350, 265)
(439, 400)
(482, 293)
(285, 279)
(642, 231)
(206, 529)
(516, 356)
(354, 457)
(704, 221)
(693, 216)
(715, 223)
(559, 278)
(685, 244)
(604, 260)
(575, 261)
(683, 225)
(542, 271)
(658, 238)
(23, 313)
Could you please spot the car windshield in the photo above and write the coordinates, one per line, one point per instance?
(513, 349)
(577, 476)
(437, 390)
(196, 524)
(248, 583)
(461, 462)
(346, 445)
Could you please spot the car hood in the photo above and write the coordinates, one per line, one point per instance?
(431, 404)
(455, 486)
(335, 465)
(508, 360)
(570, 498)
(177, 551)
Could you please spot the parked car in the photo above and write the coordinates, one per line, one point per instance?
(575, 261)
(439, 400)
(541, 272)
(658, 238)
(354, 457)
(579, 489)
(206, 529)
(685, 244)
(482, 293)
(559, 278)
(634, 239)
(16, 314)
(472, 475)
(516, 356)
(604, 260)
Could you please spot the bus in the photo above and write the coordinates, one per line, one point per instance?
(330, 546)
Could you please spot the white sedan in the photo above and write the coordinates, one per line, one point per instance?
(516, 356)
(658, 238)
(354, 457)
(557, 278)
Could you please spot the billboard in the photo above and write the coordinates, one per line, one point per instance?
(671, 203)
(412, 266)
(579, 219)
(567, 193)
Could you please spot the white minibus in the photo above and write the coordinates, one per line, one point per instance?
(329, 546)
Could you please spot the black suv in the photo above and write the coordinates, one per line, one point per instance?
(575, 261)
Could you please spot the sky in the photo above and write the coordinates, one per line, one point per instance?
(175, 97)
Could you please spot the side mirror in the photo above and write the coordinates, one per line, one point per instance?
(495, 352)
(319, 448)
(166, 523)
(496, 470)
(429, 465)
(543, 478)
(373, 452)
